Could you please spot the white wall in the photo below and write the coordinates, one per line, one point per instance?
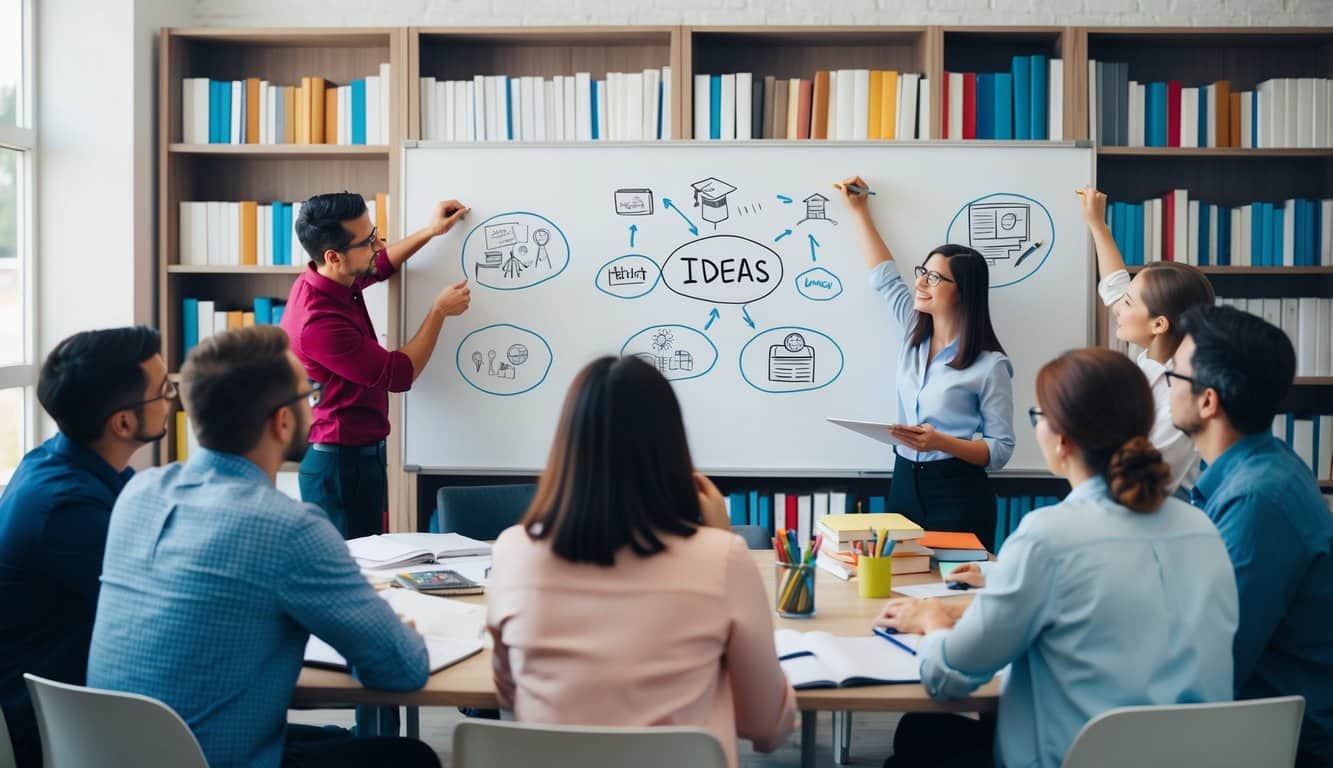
(565, 12)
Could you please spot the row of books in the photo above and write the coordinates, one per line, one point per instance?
(1307, 321)
(254, 111)
(202, 318)
(844, 104)
(1025, 103)
(250, 233)
(1282, 112)
(1293, 233)
(1311, 438)
(1009, 512)
(626, 106)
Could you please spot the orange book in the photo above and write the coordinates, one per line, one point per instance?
(331, 116)
(948, 540)
(303, 111)
(252, 110)
(289, 115)
(819, 107)
(247, 319)
(1234, 133)
(382, 214)
(804, 98)
(875, 123)
(235, 319)
(889, 106)
(1222, 89)
(318, 106)
(249, 229)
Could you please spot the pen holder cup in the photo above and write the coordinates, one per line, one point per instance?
(874, 576)
(795, 593)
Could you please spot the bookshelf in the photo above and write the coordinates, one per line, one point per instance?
(1231, 176)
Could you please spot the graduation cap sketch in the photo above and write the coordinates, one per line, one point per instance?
(710, 194)
(816, 209)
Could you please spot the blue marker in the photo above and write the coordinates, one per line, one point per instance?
(888, 634)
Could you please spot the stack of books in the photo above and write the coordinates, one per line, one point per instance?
(844, 534)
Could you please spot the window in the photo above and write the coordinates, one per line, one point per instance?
(18, 139)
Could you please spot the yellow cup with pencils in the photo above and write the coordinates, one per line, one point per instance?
(795, 593)
(874, 576)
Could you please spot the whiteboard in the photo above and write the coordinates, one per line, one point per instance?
(735, 269)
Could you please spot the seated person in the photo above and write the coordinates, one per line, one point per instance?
(109, 396)
(215, 579)
(622, 597)
(1232, 373)
(1116, 596)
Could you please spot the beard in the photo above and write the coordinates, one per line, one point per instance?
(300, 440)
(143, 437)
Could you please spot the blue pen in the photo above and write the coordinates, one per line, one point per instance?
(888, 634)
(888, 548)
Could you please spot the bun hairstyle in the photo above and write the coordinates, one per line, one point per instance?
(1100, 401)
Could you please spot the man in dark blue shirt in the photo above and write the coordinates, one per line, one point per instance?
(1230, 376)
(109, 394)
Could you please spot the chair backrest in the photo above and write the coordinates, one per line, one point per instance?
(755, 536)
(1232, 734)
(7, 759)
(85, 727)
(480, 511)
(483, 744)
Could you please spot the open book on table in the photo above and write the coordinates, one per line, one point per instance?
(452, 629)
(393, 550)
(823, 660)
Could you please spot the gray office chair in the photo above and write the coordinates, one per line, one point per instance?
(755, 536)
(482, 745)
(1230, 734)
(7, 759)
(480, 511)
(89, 728)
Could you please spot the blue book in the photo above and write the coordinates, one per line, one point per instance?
(278, 309)
(1254, 119)
(877, 505)
(1266, 244)
(1003, 125)
(715, 107)
(985, 105)
(1202, 135)
(286, 255)
(358, 111)
(752, 509)
(1298, 233)
(1022, 71)
(227, 107)
(593, 103)
(263, 310)
(1291, 431)
(1157, 94)
(1317, 235)
(189, 325)
(1223, 236)
(766, 513)
(1204, 240)
(1038, 119)
(737, 508)
(659, 110)
(213, 110)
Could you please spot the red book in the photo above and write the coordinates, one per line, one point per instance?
(792, 521)
(1169, 216)
(944, 103)
(805, 98)
(969, 105)
(1173, 114)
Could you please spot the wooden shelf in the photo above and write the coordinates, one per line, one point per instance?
(1314, 381)
(280, 150)
(1326, 486)
(1213, 152)
(193, 269)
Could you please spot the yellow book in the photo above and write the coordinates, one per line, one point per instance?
(252, 110)
(863, 526)
(182, 436)
(382, 214)
(289, 115)
(303, 111)
(331, 116)
(876, 85)
(888, 121)
(318, 107)
(249, 229)
(247, 319)
(234, 319)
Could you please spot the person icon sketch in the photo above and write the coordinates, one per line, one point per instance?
(541, 237)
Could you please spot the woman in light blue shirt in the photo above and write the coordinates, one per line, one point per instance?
(1117, 596)
(955, 412)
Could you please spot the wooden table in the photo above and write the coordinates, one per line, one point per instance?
(838, 609)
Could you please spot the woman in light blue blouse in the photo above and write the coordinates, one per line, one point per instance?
(955, 412)
(1117, 596)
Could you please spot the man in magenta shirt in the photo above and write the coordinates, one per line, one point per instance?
(344, 471)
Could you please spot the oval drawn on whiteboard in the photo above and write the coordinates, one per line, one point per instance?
(818, 284)
(504, 359)
(679, 352)
(628, 277)
(1015, 233)
(723, 269)
(515, 250)
(790, 358)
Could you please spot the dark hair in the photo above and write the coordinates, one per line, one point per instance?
(1250, 363)
(619, 472)
(972, 277)
(1170, 288)
(320, 225)
(233, 382)
(93, 374)
(1101, 401)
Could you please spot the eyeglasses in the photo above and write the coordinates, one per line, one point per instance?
(168, 392)
(933, 278)
(1173, 375)
(1033, 413)
(314, 394)
(370, 241)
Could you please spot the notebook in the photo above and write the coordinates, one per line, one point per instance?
(391, 550)
(954, 547)
(452, 629)
(861, 527)
(823, 660)
(439, 582)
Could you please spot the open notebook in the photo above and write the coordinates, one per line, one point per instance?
(452, 629)
(392, 550)
(822, 660)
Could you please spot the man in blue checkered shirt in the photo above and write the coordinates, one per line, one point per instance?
(213, 579)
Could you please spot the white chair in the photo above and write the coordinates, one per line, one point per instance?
(1238, 734)
(6, 746)
(89, 728)
(484, 744)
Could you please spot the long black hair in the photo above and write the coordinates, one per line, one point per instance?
(972, 277)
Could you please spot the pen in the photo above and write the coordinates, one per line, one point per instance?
(856, 189)
(888, 551)
(888, 634)
(1028, 252)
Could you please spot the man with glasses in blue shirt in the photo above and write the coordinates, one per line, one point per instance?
(1231, 375)
(109, 395)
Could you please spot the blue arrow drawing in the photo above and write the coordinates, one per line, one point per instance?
(666, 201)
(633, 228)
(784, 199)
(711, 317)
(813, 244)
(745, 314)
(785, 232)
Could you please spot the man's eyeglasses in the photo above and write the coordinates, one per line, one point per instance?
(167, 392)
(1034, 413)
(1173, 375)
(369, 242)
(313, 395)
(933, 278)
